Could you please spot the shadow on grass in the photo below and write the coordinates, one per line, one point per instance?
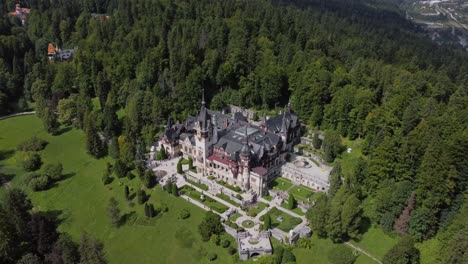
(55, 215)
(127, 218)
(63, 130)
(6, 154)
(68, 175)
(363, 228)
(6, 177)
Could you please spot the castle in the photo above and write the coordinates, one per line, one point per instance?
(232, 149)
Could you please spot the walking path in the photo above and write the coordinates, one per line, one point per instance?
(17, 114)
(349, 244)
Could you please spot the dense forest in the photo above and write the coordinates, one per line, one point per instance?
(357, 68)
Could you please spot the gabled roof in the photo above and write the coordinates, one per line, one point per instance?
(275, 123)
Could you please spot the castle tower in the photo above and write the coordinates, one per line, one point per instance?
(215, 129)
(203, 136)
(245, 161)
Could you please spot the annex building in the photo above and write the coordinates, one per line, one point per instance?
(230, 148)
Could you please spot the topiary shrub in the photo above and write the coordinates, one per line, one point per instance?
(39, 183)
(184, 214)
(31, 161)
(225, 243)
(32, 144)
(232, 250)
(212, 256)
(106, 179)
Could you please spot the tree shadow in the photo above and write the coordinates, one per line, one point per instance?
(67, 176)
(55, 215)
(131, 196)
(63, 130)
(6, 177)
(6, 154)
(363, 228)
(127, 218)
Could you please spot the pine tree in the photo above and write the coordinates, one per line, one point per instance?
(94, 144)
(267, 222)
(49, 119)
(175, 190)
(179, 167)
(127, 193)
(318, 216)
(113, 211)
(91, 250)
(114, 150)
(316, 141)
(291, 202)
(169, 185)
(190, 163)
(147, 213)
(141, 196)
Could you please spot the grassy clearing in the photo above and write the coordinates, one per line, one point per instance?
(301, 193)
(81, 199)
(281, 184)
(376, 242)
(289, 221)
(199, 185)
(296, 210)
(230, 187)
(319, 251)
(234, 217)
(349, 160)
(227, 199)
(256, 209)
(208, 201)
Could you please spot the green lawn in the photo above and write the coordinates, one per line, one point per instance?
(376, 242)
(199, 185)
(289, 221)
(318, 253)
(301, 193)
(211, 203)
(234, 217)
(248, 224)
(227, 199)
(349, 160)
(296, 210)
(281, 184)
(256, 209)
(80, 200)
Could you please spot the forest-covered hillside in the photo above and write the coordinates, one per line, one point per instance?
(357, 68)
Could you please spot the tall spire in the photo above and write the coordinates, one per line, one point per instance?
(289, 106)
(203, 98)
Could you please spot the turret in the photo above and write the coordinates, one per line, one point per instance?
(245, 161)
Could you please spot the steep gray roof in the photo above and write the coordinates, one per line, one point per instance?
(275, 123)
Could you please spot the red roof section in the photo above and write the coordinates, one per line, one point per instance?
(220, 160)
(51, 48)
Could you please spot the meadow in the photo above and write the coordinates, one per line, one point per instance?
(80, 200)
